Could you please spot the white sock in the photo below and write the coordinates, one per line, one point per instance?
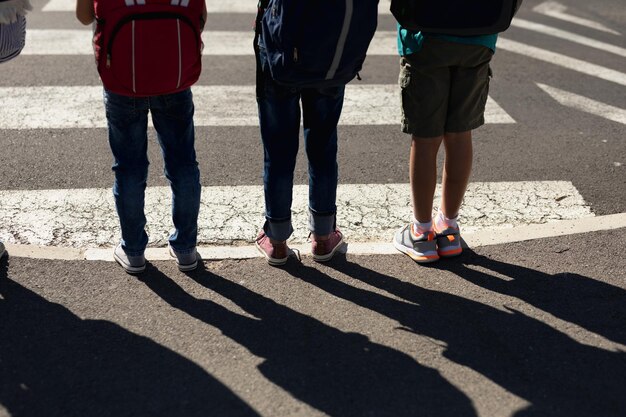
(442, 222)
(420, 228)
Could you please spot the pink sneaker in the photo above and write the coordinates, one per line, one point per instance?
(324, 250)
(275, 253)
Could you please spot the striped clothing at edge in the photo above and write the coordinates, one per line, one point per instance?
(12, 39)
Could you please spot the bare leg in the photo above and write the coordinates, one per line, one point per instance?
(456, 171)
(423, 175)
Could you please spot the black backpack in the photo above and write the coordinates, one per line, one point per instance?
(455, 17)
(316, 43)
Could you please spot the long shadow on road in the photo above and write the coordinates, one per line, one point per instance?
(341, 374)
(557, 375)
(594, 305)
(53, 363)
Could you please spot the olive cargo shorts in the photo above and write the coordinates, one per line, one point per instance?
(444, 88)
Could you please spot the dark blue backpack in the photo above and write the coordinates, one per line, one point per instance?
(316, 43)
(455, 17)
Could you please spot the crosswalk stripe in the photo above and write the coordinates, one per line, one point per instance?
(557, 11)
(62, 107)
(564, 61)
(366, 212)
(569, 36)
(585, 104)
(213, 6)
(79, 42)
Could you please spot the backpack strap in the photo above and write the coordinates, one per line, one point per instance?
(260, 77)
(261, 6)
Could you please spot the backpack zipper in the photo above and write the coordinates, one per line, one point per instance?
(133, 57)
(145, 16)
(180, 55)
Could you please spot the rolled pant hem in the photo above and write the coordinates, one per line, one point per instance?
(278, 229)
(322, 224)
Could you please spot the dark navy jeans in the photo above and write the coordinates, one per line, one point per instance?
(280, 116)
(172, 116)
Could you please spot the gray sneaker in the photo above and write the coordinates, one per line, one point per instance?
(421, 248)
(131, 264)
(449, 242)
(3, 250)
(185, 261)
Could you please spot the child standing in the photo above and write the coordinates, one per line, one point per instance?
(172, 112)
(297, 81)
(444, 83)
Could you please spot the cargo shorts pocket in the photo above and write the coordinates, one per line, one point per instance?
(485, 89)
(404, 79)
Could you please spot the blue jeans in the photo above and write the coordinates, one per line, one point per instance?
(172, 116)
(279, 115)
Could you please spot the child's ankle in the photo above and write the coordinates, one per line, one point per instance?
(277, 242)
(320, 238)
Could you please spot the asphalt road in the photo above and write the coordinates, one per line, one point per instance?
(526, 329)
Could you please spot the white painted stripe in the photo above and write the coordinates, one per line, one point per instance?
(569, 36)
(564, 61)
(213, 6)
(79, 42)
(484, 237)
(585, 104)
(58, 42)
(85, 218)
(494, 114)
(557, 11)
(61, 107)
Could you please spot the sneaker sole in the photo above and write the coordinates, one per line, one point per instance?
(271, 261)
(129, 269)
(450, 254)
(328, 256)
(186, 267)
(420, 259)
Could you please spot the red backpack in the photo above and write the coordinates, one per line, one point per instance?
(148, 47)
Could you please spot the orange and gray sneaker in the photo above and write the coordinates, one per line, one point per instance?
(421, 247)
(448, 241)
(275, 253)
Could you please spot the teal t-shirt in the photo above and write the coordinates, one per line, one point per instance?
(411, 42)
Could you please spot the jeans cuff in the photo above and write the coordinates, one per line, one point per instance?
(129, 252)
(322, 224)
(278, 230)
